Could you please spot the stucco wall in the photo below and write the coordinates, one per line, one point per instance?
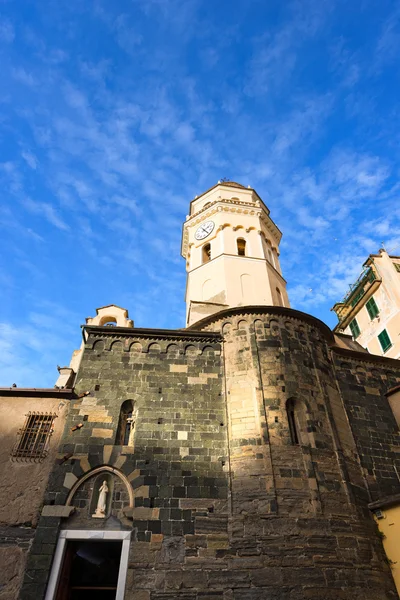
(22, 486)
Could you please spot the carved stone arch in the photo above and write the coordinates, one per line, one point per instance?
(360, 370)
(173, 350)
(136, 347)
(243, 325)
(96, 471)
(274, 326)
(117, 346)
(289, 327)
(345, 365)
(226, 328)
(259, 328)
(375, 373)
(208, 351)
(154, 348)
(191, 350)
(235, 198)
(99, 345)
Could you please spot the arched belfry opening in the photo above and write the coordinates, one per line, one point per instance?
(126, 424)
(206, 253)
(241, 246)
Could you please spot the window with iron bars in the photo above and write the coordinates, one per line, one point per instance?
(33, 438)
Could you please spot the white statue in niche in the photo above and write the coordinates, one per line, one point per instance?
(100, 511)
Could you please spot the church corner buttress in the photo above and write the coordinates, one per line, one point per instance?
(240, 458)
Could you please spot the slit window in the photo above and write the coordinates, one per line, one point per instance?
(372, 308)
(294, 436)
(384, 340)
(206, 253)
(34, 437)
(241, 247)
(354, 328)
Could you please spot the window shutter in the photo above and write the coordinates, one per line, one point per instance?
(355, 330)
(384, 340)
(372, 308)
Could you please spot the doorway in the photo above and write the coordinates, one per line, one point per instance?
(89, 571)
(89, 565)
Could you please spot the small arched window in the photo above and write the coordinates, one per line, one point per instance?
(241, 247)
(279, 297)
(292, 420)
(126, 424)
(206, 253)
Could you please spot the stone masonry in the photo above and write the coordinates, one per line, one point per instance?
(221, 503)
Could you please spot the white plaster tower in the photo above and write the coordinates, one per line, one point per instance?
(230, 244)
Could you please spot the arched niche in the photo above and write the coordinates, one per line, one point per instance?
(117, 346)
(259, 328)
(242, 325)
(98, 345)
(135, 347)
(154, 348)
(208, 351)
(173, 350)
(126, 424)
(191, 350)
(207, 289)
(226, 328)
(103, 469)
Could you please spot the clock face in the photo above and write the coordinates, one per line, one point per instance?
(204, 230)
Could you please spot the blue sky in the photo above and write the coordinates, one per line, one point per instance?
(114, 115)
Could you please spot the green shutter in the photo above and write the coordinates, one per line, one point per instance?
(384, 340)
(355, 330)
(372, 308)
(397, 266)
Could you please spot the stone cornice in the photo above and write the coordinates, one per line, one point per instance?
(50, 393)
(270, 310)
(367, 357)
(154, 334)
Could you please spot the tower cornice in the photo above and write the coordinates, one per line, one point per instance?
(257, 209)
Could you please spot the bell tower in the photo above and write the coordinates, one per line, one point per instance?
(230, 244)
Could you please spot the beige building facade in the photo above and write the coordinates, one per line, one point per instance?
(231, 247)
(31, 425)
(370, 312)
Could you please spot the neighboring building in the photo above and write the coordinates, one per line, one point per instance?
(31, 422)
(240, 458)
(370, 311)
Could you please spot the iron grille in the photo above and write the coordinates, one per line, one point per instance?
(33, 438)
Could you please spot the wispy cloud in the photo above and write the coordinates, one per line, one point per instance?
(116, 116)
